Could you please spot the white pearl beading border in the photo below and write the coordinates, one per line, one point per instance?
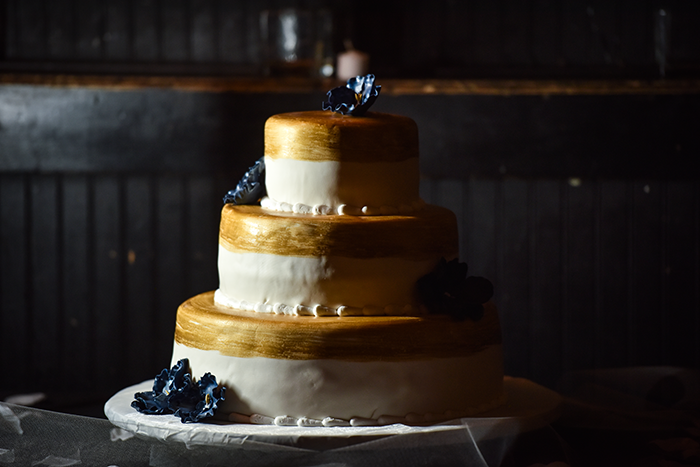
(315, 310)
(409, 419)
(343, 209)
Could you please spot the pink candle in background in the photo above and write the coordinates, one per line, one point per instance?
(352, 63)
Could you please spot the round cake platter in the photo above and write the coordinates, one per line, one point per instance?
(529, 407)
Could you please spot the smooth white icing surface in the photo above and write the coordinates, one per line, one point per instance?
(331, 282)
(392, 185)
(418, 390)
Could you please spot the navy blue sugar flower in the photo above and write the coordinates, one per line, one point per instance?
(355, 98)
(209, 394)
(251, 188)
(174, 392)
(448, 290)
(166, 386)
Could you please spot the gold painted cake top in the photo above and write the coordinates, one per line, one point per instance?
(328, 136)
(428, 233)
(203, 324)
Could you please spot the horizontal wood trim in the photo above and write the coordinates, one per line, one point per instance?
(390, 86)
(156, 130)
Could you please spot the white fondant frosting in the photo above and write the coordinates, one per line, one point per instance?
(360, 188)
(418, 391)
(250, 281)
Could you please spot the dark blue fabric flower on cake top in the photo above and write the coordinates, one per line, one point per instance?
(251, 188)
(174, 392)
(448, 290)
(355, 98)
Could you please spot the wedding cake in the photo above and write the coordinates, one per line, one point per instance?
(341, 300)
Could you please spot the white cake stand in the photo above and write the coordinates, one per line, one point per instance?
(529, 406)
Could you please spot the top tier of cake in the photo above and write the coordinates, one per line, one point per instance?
(327, 163)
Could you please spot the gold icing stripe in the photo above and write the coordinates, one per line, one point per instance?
(204, 325)
(326, 136)
(429, 232)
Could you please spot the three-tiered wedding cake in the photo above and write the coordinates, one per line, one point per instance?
(334, 296)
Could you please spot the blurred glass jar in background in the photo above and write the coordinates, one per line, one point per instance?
(296, 42)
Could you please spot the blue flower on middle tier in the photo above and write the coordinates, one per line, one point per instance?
(251, 188)
(448, 290)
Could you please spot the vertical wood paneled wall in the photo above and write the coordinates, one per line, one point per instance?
(437, 38)
(592, 274)
(93, 269)
(598, 275)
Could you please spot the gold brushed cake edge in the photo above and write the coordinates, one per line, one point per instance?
(205, 325)
(327, 136)
(430, 232)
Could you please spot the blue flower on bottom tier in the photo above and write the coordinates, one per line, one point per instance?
(175, 393)
(355, 98)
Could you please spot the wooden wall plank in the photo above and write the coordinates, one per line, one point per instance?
(8, 40)
(459, 33)
(387, 58)
(175, 30)
(513, 278)
(15, 319)
(634, 24)
(61, 28)
(89, 30)
(603, 32)
(45, 302)
(171, 240)
(579, 276)
(77, 319)
(30, 20)
(204, 207)
(681, 273)
(575, 34)
(204, 31)
(516, 39)
(487, 33)
(684, 33)
(644, 290)
(425, 190)
(448, 194)
(107, 284)
(118, 30)
(479, 236)
(612, 250)
(423, 37)
(140, 251)
(145, 17)
(547, 33)
(545, 282)
(233, 40)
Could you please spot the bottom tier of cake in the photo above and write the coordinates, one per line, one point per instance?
(342, 371)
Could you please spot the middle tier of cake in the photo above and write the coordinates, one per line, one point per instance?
(299, 264)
